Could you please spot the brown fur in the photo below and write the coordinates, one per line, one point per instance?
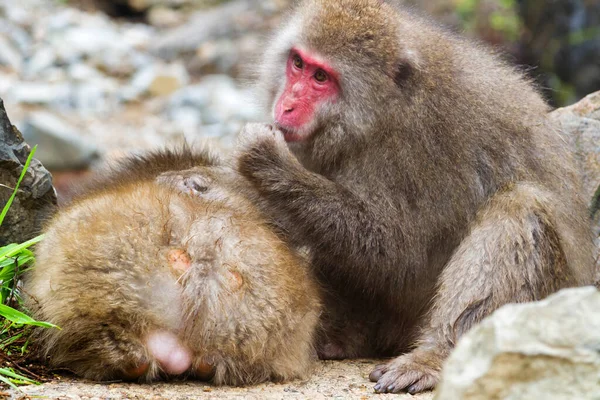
(102, 275)
(432, 192)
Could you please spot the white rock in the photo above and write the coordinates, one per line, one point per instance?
(83, 72)
(39, 93)
(60, 145)
(542, 350)
(9, 55)
(157, 80)
(43, 58)
(187, 119)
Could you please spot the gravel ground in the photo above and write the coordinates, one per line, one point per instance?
(331, 379)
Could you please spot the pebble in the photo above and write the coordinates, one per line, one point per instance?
(112, 84)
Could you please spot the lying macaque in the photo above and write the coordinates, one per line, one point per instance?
(153, 273)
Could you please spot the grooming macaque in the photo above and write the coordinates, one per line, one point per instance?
(146, 281)
(423, 175)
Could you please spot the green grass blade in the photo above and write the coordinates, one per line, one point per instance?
(14, 193)
(17, 317)
(20, 378)
(16, 248)
(6, 380)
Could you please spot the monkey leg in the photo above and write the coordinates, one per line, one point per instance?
(512, 254)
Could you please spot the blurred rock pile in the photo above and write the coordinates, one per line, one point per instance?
(83, 84)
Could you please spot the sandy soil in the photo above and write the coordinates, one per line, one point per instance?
(332, 379)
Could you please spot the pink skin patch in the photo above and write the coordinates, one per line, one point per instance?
(179, 260)
(172, 356)
(309, 83)
(235, 279)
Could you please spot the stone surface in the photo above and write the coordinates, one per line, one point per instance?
(543, 350)
(581, 124)
(36, 198)
(60, 147)
(331, 380)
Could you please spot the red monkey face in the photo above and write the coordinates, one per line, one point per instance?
(309, 84)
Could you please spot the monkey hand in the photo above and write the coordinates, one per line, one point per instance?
(263, 156)
(413, 372)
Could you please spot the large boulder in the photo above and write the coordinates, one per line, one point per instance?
(580, 123)
(542, 350)
(36, 198)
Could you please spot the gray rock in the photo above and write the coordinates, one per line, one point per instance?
(157, 80)
(60, 145)
(16, 34)
(40, 93)
(42, 59)
(581, 124)
(36, 198)
(543, 350)
(202, 26)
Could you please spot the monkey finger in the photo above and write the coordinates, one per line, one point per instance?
(393, 382)
(427, 382)
(377, 372)
(411, 372)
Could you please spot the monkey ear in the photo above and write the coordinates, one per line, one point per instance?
(407, 65)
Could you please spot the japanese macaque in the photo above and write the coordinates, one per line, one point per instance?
(423, 175)
(155, 272)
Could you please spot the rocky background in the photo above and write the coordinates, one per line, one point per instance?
(88, 80)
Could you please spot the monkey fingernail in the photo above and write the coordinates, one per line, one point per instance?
(413, 389)
(377, 387)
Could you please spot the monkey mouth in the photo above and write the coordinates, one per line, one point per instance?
(290, 135)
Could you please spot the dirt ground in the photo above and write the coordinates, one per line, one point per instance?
(332, 379)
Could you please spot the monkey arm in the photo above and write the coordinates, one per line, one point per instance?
(330, 217)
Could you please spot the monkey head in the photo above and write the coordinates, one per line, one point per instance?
(327, 78)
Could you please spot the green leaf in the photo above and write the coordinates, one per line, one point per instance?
(14, 193)
(17, 317)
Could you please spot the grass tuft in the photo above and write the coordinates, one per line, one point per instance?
(15, 259)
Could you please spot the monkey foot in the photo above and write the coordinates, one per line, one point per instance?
(331, 351)
(172, 356)
(204, 370)
(136, 371)
(410, 372)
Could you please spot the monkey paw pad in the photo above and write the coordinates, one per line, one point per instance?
(405, 373)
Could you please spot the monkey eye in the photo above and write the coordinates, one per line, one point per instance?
(320, 76)
(298, 62)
